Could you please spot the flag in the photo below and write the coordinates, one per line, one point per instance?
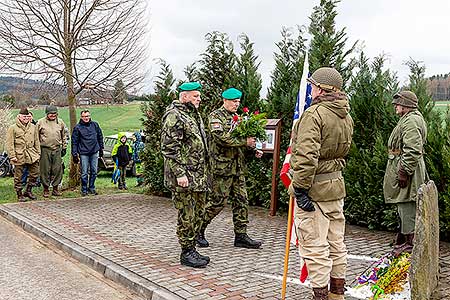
(304, 99)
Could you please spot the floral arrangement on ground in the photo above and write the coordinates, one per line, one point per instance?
(249, 125)
(386, 279)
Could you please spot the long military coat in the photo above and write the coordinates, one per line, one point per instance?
(184, 147)
(22, 142)
(406, 149)
(321, 140)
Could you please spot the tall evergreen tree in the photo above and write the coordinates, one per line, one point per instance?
(371, 92)
(216, 71)
(153, 110)
(248, 79)
(119, 93)
(328, 43)
(437, 148)
(191, 72)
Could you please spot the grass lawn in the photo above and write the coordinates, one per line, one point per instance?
(112, 119)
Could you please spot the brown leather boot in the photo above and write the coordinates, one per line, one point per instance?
(406, 246)
(46, 192)
(20, 196)
(28, 193)
(320, 293)
(337, 289)
(56, 192)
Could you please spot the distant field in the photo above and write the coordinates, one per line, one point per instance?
(111, 118)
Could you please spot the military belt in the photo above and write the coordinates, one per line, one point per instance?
(327, 176)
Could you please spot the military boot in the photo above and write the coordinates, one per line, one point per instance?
(46, 192)
(242, 240)
(320, 293)
(336, 289)
(204, 257)
(20, 196)
(201, 240)
(406, 246)
(56, 192)
(400, 239)
(28, 193)
(190, 258)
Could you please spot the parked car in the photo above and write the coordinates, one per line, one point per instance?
(106, 162)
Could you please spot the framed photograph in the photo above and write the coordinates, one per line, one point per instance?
(269, 143)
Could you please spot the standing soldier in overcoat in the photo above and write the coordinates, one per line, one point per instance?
(229, 168)
(185, 150)
(52, 137)
(405, 170)
(22, 145)
(321, 140)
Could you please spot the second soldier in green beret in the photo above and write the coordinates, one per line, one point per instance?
(185, 150)
(229, 170)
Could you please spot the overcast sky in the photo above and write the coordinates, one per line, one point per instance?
(398, 28)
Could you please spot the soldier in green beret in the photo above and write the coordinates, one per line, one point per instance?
(405, 170)
(185, 150)
(229, 169)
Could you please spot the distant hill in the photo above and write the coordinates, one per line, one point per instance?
(12, 85)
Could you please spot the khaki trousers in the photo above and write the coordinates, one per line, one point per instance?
(407, 213)
(321, 241)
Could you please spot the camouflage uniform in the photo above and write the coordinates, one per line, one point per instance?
(229, 169)
(184, 147)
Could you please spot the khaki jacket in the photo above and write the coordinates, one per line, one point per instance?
(52, 134)
(406, 149)
(320, 142)
(22, 142)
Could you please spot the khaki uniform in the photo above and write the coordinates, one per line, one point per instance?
(321, 140)
(22, 143)
(406, 148)
(185, 151)
(229, 169)
(52, 137)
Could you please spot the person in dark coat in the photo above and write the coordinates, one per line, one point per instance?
(121, 155)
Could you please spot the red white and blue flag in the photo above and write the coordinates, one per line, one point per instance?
(304, 99)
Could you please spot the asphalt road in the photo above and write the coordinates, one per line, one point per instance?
(32, 270)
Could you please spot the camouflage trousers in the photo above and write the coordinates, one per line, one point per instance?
(231, 189)
(191, 210)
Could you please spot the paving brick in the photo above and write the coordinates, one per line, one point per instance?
(138, 233)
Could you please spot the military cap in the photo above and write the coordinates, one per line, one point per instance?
(24, 111)
(406, 99)
(51, 109)
(231, 94)
(328, 79)
(190, 86)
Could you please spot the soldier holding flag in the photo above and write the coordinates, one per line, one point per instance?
(321, 140)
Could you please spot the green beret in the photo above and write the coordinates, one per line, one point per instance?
(231, 94)
(190, 86)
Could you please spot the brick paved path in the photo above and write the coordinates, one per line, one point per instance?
(138, 233)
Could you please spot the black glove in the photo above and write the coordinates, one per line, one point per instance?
(75, 159)
(63, 152)
(303, 200)
(100, 153)
(403, 178)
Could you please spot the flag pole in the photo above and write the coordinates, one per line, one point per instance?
(288, 244)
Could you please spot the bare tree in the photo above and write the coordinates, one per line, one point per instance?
(76, 42)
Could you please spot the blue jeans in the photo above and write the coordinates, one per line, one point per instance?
(89, 164)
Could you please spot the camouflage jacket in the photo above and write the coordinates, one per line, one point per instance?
(406, 148)
(227, 152)
(184, 147)
(321, 140)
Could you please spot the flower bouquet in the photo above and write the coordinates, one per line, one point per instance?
(249, 125)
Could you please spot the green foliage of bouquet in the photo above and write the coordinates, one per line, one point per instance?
(250, 125)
